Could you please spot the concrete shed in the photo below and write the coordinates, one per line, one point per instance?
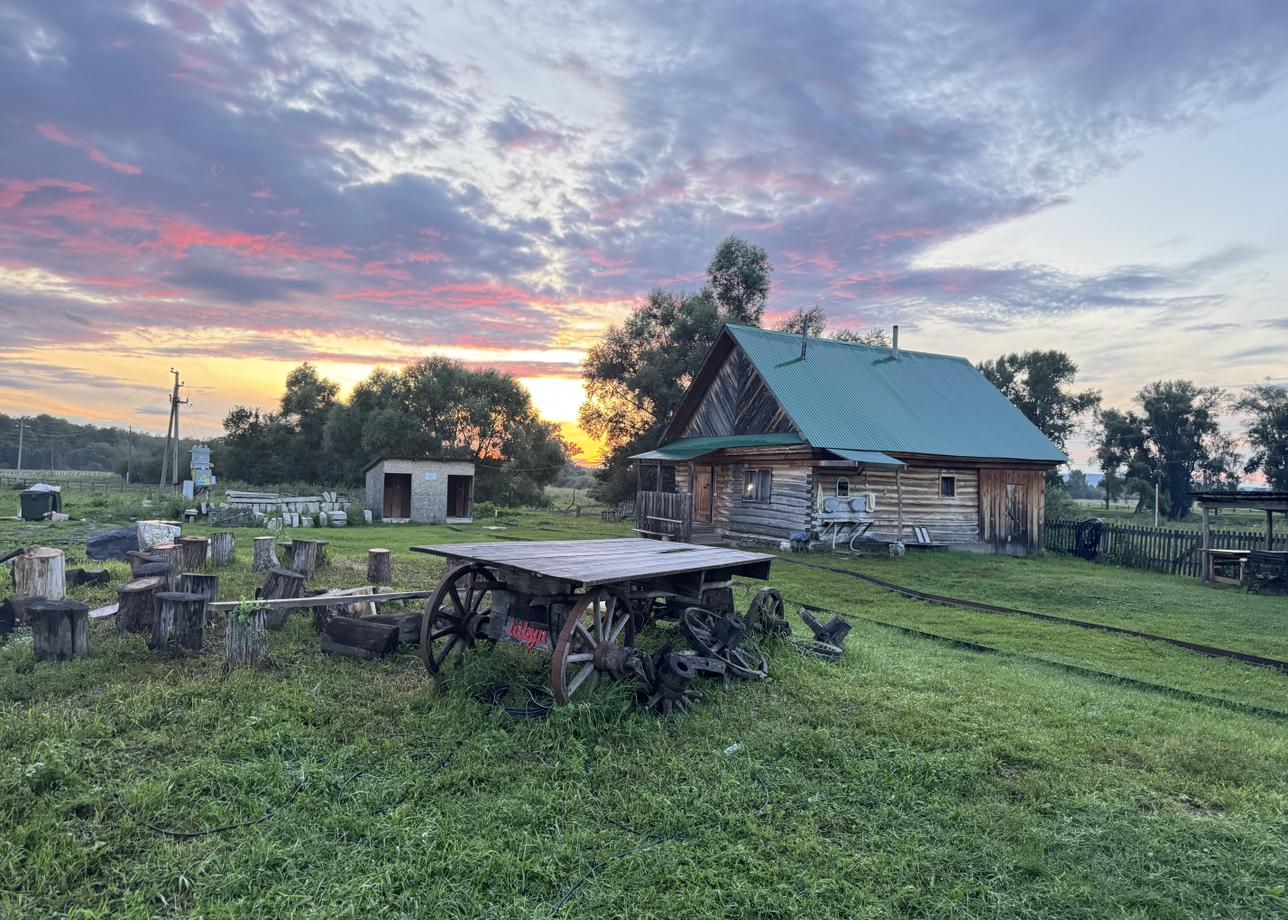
(426, 491)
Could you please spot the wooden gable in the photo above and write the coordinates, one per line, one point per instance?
(732, 398)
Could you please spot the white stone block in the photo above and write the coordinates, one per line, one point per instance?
(366, 516)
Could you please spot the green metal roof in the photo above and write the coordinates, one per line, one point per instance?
(870, 457)
(860, 397)
(688, 448)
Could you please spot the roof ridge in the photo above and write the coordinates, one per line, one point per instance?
(830, 341)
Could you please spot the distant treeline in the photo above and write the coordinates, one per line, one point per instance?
(49, 442)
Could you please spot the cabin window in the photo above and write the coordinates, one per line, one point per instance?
(947, 486)
(842, 488)
(756, 485)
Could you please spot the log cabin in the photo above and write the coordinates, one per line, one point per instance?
(782, 437)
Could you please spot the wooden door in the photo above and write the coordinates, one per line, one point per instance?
(1017, 514)
(459, 492)
(397, 495)
(704, 478)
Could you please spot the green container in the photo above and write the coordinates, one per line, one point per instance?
(35, 505)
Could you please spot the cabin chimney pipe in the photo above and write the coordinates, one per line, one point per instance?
(894, 342)
(804, 340)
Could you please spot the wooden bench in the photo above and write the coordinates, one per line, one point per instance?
(1231, 560)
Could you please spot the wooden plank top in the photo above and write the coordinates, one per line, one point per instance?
(601, 562)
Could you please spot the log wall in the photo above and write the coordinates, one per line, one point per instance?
(949, 519)
(737, 402)
(786, 512)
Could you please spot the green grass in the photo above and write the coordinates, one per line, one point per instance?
(910, 779)
(1125, 513)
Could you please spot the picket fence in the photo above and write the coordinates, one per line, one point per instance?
(1159, 549)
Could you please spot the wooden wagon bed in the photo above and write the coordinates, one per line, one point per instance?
(591, 563)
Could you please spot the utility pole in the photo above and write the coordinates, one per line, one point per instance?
(171, 451)
(1155, 502)
(21, 424)
(129, 455)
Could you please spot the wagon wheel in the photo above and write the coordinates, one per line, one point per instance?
(451, 616)
(700, 626)
(598, 635)
(766, 616)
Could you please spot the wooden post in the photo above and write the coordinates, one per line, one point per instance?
(180, 620)
(245, 641)
(280, 583)
(59, 630)
(379, 571)
(40, 571)
(137, 604)
(305, 556)
(192, 553)
(898, 488)
(222, 547)
(1270, 529)
(265, 555)
(1205, 566)
(359, 638)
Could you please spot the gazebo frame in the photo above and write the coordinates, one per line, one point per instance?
(1269, 502)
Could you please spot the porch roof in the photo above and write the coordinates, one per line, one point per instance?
(870, 457)
(689, 448)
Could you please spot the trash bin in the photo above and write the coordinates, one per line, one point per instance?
(36, 503)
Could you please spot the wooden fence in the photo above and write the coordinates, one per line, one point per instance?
(1159, 549)
(664, 514)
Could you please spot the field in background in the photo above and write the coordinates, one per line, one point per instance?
(1123, 513)
(913, 778)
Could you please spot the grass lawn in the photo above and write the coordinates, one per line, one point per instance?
(911, 778)
(1125, 513)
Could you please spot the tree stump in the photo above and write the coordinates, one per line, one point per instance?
(222, 547)
(166, 571)
(59, 630)
(170, 553)
(192, 553)
(137, 604)
(265, 556)
(245, 641)
(306, 556)
(14, 610)
(179, 621)
(379, 571)
(359, 638)
(280, 583)
(40, 572)
(196, 583)
(138, 558)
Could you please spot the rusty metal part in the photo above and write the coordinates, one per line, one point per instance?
(766, 615)
(832, 633)
(596, 630)
(667, 687)
(454, 615)
(721, 637)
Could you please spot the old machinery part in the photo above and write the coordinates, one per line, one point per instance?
(721, 637)
(766, 615)
(832, 633)
(667, 689)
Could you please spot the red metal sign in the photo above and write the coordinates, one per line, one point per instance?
(525, 633)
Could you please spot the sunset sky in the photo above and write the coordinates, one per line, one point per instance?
(233, 188)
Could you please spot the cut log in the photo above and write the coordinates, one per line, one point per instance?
(222, 547)
(356, 610)
(166, 571)
(359, 638)
(379, 571)
(59, 630)
(281, 583)
(197, 583)
(192, 553)
(408, 625)
(78, 577)
(306, 556)
(137, 604)
(40, 571)
(245, 641)
(180, 621)
(170, 552)
(265, 556)
(138, 558)
(15, 610)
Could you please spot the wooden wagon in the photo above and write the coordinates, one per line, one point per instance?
(579, 601)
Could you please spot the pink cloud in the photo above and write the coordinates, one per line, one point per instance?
(179, 236)
(52, 132)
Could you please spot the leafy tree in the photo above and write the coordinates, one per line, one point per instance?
(1266, 406)
(872, 336)
(809, 320)
(306, 406)
(739, 278)
(1039, 384)
(1174, 438)
(636, 375)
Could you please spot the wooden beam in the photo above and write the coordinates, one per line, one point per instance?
(1207, 542)
(322, 600)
